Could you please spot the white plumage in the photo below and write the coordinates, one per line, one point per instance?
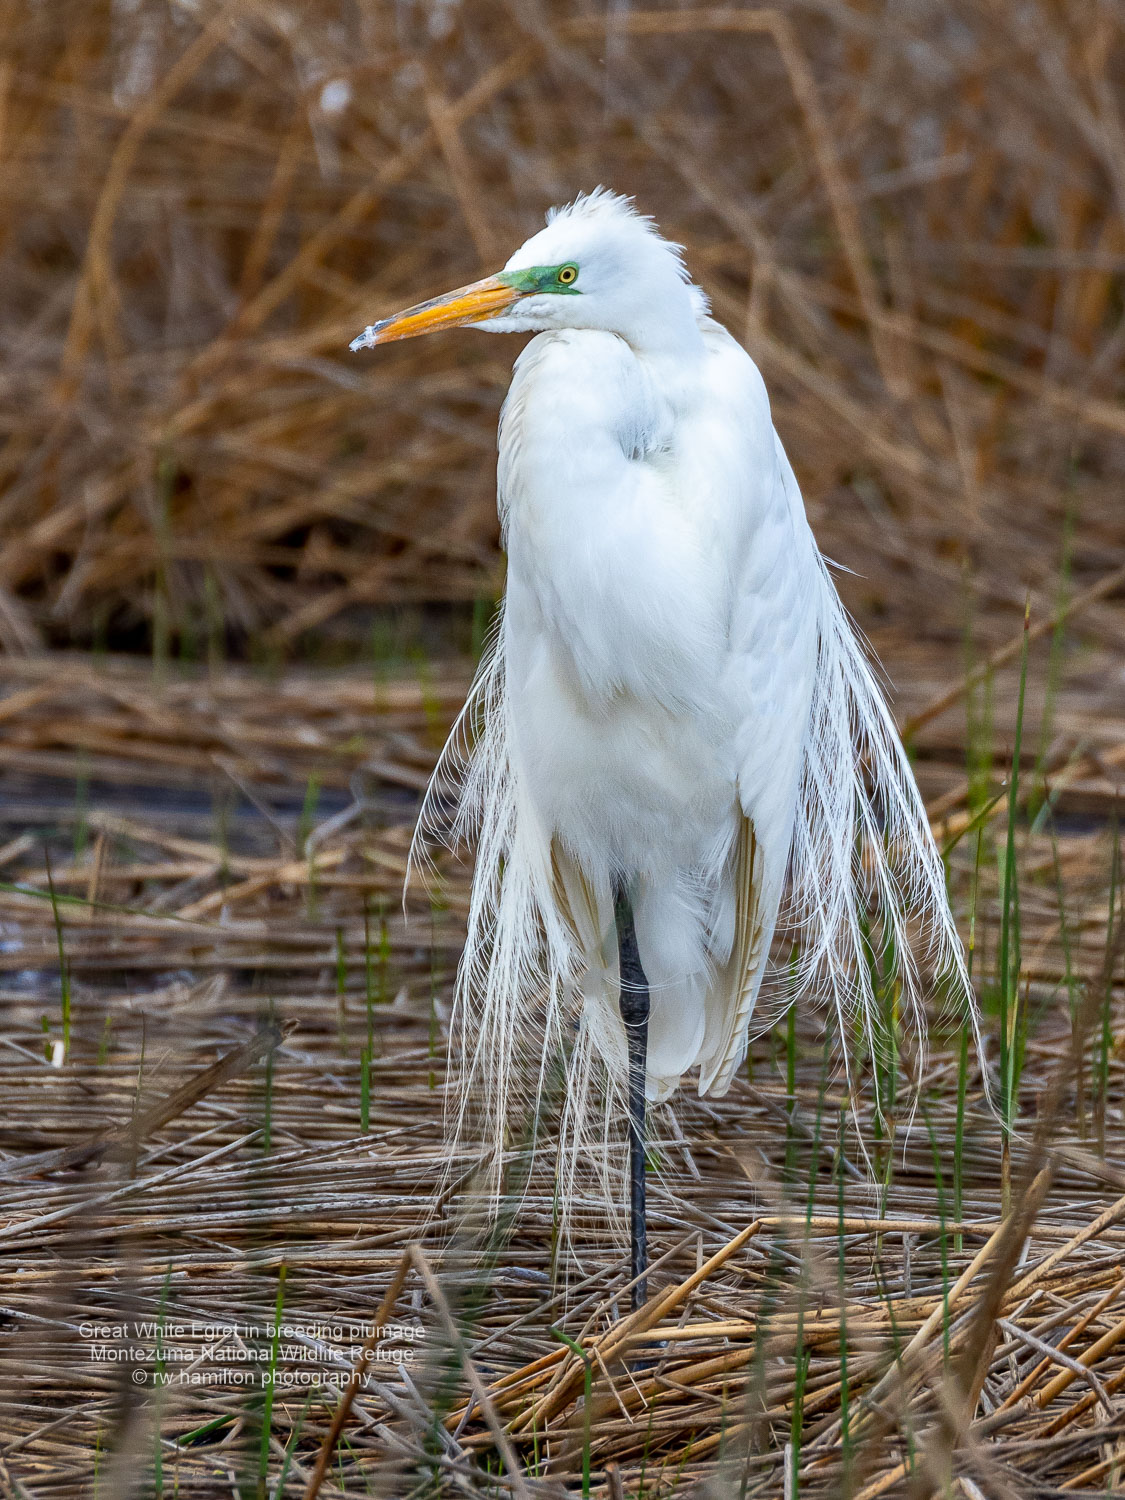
(673, 698)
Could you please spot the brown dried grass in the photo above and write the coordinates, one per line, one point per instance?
(913, 218)
(159, 1170)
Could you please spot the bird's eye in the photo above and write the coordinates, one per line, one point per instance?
(568, 274)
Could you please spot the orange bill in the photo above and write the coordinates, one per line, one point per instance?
(468, 304)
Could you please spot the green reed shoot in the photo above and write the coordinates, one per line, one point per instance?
(64, 966)
(797, 1420)
(587, 1388)
(777, 1270)
(433, 1034)
(645, 1454)
(535, 1459)
(342, 991)
(1070, 979)
(959, 1131)
(687, 1455)
(842, 1294)
(221, 808)
(271, 1385)
(103, 1045)
(790, 1093)
(1008, 960)
(963, 1055)
(1105, 1038)
(818, 1126)
(943, 1238)
(216, 1424)
(978, 733)
(294, 1438)
(159, 1370)
(885, 1051)
(365, 1091)
(801, 1359)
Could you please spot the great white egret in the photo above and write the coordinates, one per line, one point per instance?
(675, 721)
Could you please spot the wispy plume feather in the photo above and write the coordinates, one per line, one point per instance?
(865, 882)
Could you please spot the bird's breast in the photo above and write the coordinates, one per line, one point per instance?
(616, 607)
(608, 568)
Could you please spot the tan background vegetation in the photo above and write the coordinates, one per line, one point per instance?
(223, 1037)
(911, 213)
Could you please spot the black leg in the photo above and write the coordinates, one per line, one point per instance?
(634, 1012)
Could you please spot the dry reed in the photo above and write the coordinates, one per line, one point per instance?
(155, 1173)
(913, 218)
(222, 1039)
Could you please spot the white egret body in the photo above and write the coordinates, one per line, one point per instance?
(659, 652)
(675, 706)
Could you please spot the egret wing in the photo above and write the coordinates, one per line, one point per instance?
(769, 678)
(823, 778)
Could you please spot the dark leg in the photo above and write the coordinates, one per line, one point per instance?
(634, 1012)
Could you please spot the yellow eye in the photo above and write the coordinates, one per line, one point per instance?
(568, 274)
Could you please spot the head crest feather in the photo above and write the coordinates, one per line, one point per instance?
(604, 204)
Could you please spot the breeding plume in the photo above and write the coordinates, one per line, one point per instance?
(675, 735)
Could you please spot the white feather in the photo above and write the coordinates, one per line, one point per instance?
(673, 696)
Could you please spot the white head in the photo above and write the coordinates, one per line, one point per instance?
(598, 264)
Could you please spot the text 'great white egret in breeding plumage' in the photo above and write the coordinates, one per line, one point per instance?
(675, 723)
